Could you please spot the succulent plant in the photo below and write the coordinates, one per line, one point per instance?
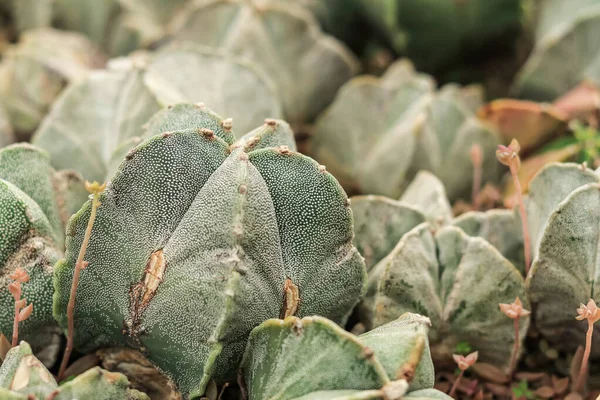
(36, 203)
(36, 70)
(7, 136)
(427, 193)
(199, 239)
(435, 34)
(336, 364)
(380, 131)
(562, 33)
(108, 109)
(564, 210)
(24, 377)
(284, 39)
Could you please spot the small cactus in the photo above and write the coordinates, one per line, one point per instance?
(199, 239)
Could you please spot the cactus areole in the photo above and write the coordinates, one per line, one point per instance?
(199, 239)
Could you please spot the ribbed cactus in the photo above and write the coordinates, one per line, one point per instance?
(35, 204)
(199, 239)
(380, 131)
(564, 214)
(339, 365)
(106, 111)
(24, 377)
(284, 39)
(36, 70)
(562, 33)
(427, 193)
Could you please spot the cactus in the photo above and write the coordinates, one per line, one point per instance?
(457, 281)
(200, 239)
(283, 38)
(436, 34)
(402, 111)
(565, 209)
(107, 110)
(375, 365)
(35, 71)
(427, 193)
(24, 377)
(561, 34)
(7, 135)
(36, 205)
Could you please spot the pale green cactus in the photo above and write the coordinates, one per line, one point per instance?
(335, 364)
(95, 117)
(7, 136)
(380, 132)
(562, 33)
(36, 70)
(284, 39)
(24, 377)
(35, 205)
(457, 281)
(199, 239)
(564, 206)
(427, 193)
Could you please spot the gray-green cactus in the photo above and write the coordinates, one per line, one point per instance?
(427, 193)
(283, 38)
(457, 281)
(199, 239)
(564, 210)
(36, 203)
(105, 112)
(7, 136)
(562, 33)
(313, 358)
(24, 377)
(380, 131)
(36, 70)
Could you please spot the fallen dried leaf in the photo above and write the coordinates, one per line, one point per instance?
(544, 391)
(490, 373)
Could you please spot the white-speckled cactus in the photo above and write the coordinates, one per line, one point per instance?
(35, 71)
(562, 33)
(336, 364)
(380, 131)
(106, 111)
(564, 210)
(200, 238)
(283, 38)
(24, 377)
(35, 205)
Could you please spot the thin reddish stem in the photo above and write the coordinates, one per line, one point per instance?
(579, 383)
(15, 336)
(515, 352)
(525, 226)
(79, 265)
(477, 177)
(456, 383)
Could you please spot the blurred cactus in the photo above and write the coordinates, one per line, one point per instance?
(284, 39)
(200, 238)
(108, 109)
(7, 135)
(24, 377)
(385, 363)
(380, 131)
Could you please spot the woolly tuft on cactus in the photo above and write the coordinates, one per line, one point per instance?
(199, 240)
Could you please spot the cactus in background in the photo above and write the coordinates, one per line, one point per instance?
(394, 126)
(24, 377)
(284, 39)
(36, 205)
(427, 193)
(36, 70)
(562, 33)
(7, 136)
(564, 206)
(382, 364)
(436, 34)
(200, 238)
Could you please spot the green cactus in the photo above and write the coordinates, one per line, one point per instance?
(24, 377)
(562, 33)
(35, 71)
(36, 203)
(564, 209)
(199, 239)
(380, 131)
(313, 358)
(106, 112)
(7, 135)
(457, 281)
(283, 38)
(427, 193)
(436, 34)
